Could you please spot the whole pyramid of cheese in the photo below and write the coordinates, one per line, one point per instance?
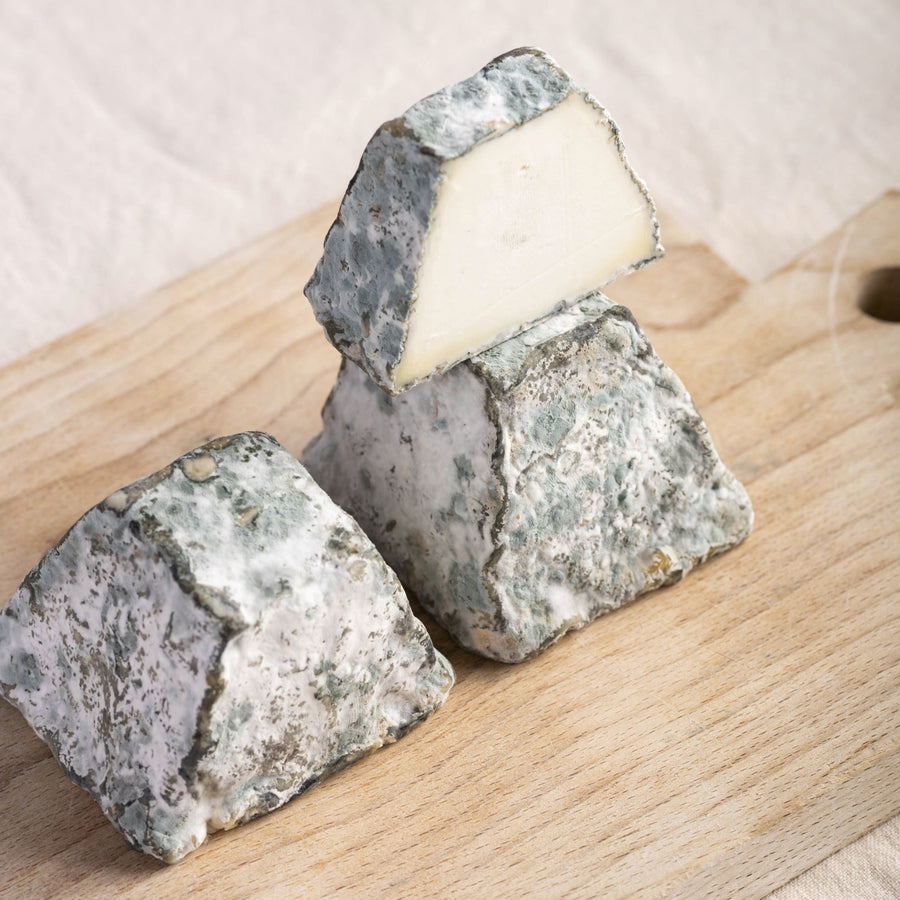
(535, 486)
(211, 641)
(482, 209)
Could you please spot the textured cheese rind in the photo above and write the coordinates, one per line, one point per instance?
(364, 286)
(535, 486)
(211, 641)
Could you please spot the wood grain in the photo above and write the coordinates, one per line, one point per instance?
(719, 736)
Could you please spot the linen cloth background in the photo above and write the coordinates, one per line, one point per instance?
(139, 141)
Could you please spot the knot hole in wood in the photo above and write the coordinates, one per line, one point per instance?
(879, 296)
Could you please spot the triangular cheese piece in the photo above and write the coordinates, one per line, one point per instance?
(481, 210)
(211, 641)
(535, 486)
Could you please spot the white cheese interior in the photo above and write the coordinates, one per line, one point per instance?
(526, 220)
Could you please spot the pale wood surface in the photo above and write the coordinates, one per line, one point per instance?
(724, 734)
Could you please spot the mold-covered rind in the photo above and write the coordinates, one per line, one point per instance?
(536, 486)
(364, 285)
(211, 641)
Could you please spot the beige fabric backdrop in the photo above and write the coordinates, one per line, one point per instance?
(140, 140)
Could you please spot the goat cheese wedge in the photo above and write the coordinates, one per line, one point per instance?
(482, 209)
(211, 641)
(535, 486)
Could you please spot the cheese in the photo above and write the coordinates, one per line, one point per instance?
(211, 641)
(535, 486)
(484, 208)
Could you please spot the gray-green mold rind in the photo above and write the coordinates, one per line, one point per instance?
(532, 488)
(364, 285)
(211, 641)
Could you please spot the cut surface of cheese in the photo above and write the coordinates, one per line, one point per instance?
(483, 209)
(211, 641)
(535, 486)
(540, 214)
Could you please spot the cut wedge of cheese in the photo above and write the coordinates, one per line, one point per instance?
(211, 641)
(484, 208)
(535, 486)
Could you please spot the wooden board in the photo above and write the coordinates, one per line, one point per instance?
(721, 735)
